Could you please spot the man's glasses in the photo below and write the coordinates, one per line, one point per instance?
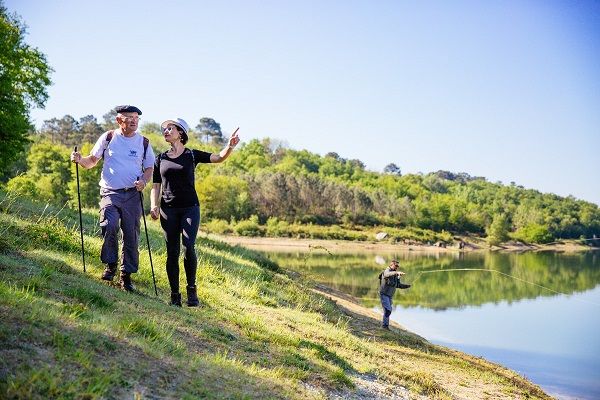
(135, 118)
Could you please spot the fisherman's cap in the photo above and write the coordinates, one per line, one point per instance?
(127, 108)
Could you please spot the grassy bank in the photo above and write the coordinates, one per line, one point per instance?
(261, 332)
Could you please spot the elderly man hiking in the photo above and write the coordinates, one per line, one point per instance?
(389, 281)
(127, 156)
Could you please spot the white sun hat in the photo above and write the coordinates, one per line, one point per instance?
(176, 121)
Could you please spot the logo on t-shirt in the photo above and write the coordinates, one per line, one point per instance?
(132, 153)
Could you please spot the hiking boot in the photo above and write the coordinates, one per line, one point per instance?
(387, 328)
(192, 297)
(109, 272)
(175, 299)
(403, 285)
(125, 282)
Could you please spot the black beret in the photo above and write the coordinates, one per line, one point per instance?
(128, 108)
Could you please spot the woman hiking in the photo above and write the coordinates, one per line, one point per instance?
(179, 209)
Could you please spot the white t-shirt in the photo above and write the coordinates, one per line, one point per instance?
(122, 159)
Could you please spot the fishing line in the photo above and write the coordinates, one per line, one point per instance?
(317, 247)
(501, 273)
(312, 247)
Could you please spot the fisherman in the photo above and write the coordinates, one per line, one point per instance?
(127, 155)
(389, 281)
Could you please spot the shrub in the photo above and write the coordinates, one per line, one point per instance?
(219, 226)
(533, 233)
(277, 228)
(249, 227)
(23, 185)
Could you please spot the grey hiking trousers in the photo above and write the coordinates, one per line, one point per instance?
(120, 210)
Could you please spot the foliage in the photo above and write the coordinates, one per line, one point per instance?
(219, 226)
(392, 169)
(223, 197)
(70, 132)
(275, 227)
(249, 227)
(23, 186)
(24, 77)
(209, 130)
(50, 168)
(297, 187)
(533, 233)
(497, 232)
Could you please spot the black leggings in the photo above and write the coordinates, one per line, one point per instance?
(180, 224)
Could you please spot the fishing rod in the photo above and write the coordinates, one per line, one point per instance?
(501, 273)
(317, 247)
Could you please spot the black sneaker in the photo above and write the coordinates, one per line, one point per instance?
(403, 286)
(109, 272)
(125, 282)
(175, 299)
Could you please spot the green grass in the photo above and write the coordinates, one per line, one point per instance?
(259, 334)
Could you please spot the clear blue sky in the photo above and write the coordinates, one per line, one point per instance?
(509, 90)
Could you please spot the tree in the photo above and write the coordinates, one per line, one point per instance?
(89, 130)
(392, 169)
(24, 77)
(50, 129)
(211, 129)
(50, 168)
(224, 197)
(497, 232)
(109, 121)
(65, 131)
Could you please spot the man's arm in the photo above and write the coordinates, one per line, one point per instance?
(86, 162)
(388, 273)
(140, 184)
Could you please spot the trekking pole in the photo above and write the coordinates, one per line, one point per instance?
(80, 219)
(147, 240)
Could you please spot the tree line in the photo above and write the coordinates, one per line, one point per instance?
(264, 179)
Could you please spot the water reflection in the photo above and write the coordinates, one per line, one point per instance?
(531, 275)
(542, 320)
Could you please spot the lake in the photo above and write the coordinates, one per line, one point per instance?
(535, 313)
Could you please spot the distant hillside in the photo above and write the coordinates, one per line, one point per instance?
(261, 333)
(276, 191)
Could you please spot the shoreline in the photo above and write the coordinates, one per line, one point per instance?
(284, 244)
(366, 322)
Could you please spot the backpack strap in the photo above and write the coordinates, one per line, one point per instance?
(109, 137)
(146, 142)
(193, 158)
